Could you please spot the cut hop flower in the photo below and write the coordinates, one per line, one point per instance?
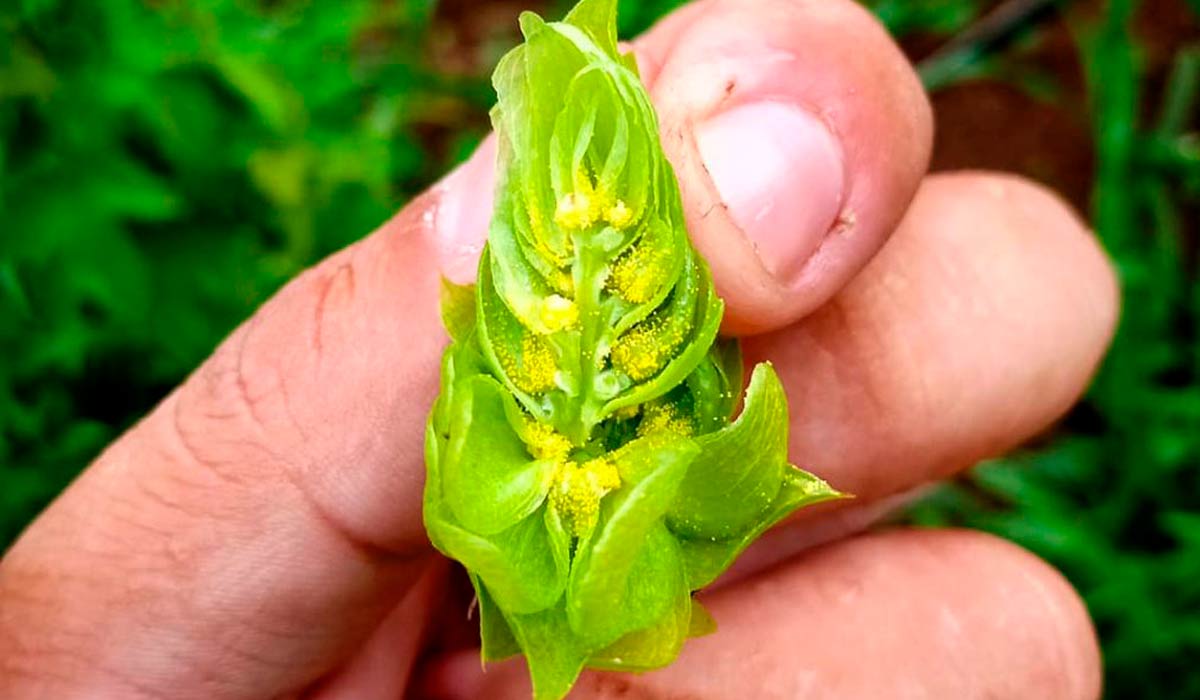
(582, 463)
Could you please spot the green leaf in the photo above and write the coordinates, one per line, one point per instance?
(555, 658)
(458, 308)
(702, 622)
(709, 309)
(519, 283)
(715, 385)
(489, 480)
(460, 361)
(598, 19)
(12, 292)
(514, 353)
(519, 566)
(627, 567)
(740, 468)
(496, 638)
(657, 607)
(434, 444)
(704, 560)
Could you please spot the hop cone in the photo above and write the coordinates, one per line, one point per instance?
(582, 463)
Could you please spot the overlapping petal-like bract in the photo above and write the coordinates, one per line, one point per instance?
(582, 462)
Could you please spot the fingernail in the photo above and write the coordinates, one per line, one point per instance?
(780, 172)
(462, 213)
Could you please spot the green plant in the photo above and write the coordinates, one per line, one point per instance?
(581, 460)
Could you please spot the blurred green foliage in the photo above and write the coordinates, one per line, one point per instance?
(165, 165)
(163, 168)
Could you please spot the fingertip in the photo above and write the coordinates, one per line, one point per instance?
(799, 133)
(1071, 657)
(1049, 272)
(1031, 210)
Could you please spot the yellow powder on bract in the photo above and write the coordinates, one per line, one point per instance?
(627, 412)
(533, 372)
(643, 351)
(638, 273)
(545, 442)
(664, 419)
(578, 489)
(603, 474)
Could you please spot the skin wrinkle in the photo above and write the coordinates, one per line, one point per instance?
(334, 496)
(341, 281)
(273, 387)
(289, 411)
(167, 554)
(249, 396)
(383, 263)
(250, 403)
(159, 491)
(170, 487)
(137, 520)
(247, 644)
(292, 629)
(225, 469)
(180, 433)
(260, 386)
(159, 536)
(369, 550)
(141, 597)
(222, 382)
(131, 517)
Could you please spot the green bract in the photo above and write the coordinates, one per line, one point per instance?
(581, 460)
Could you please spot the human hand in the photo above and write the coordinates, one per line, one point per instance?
(259, 533)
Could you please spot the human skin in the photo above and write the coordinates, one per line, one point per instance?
(259, 533)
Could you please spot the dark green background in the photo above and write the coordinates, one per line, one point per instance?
(165, 165)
